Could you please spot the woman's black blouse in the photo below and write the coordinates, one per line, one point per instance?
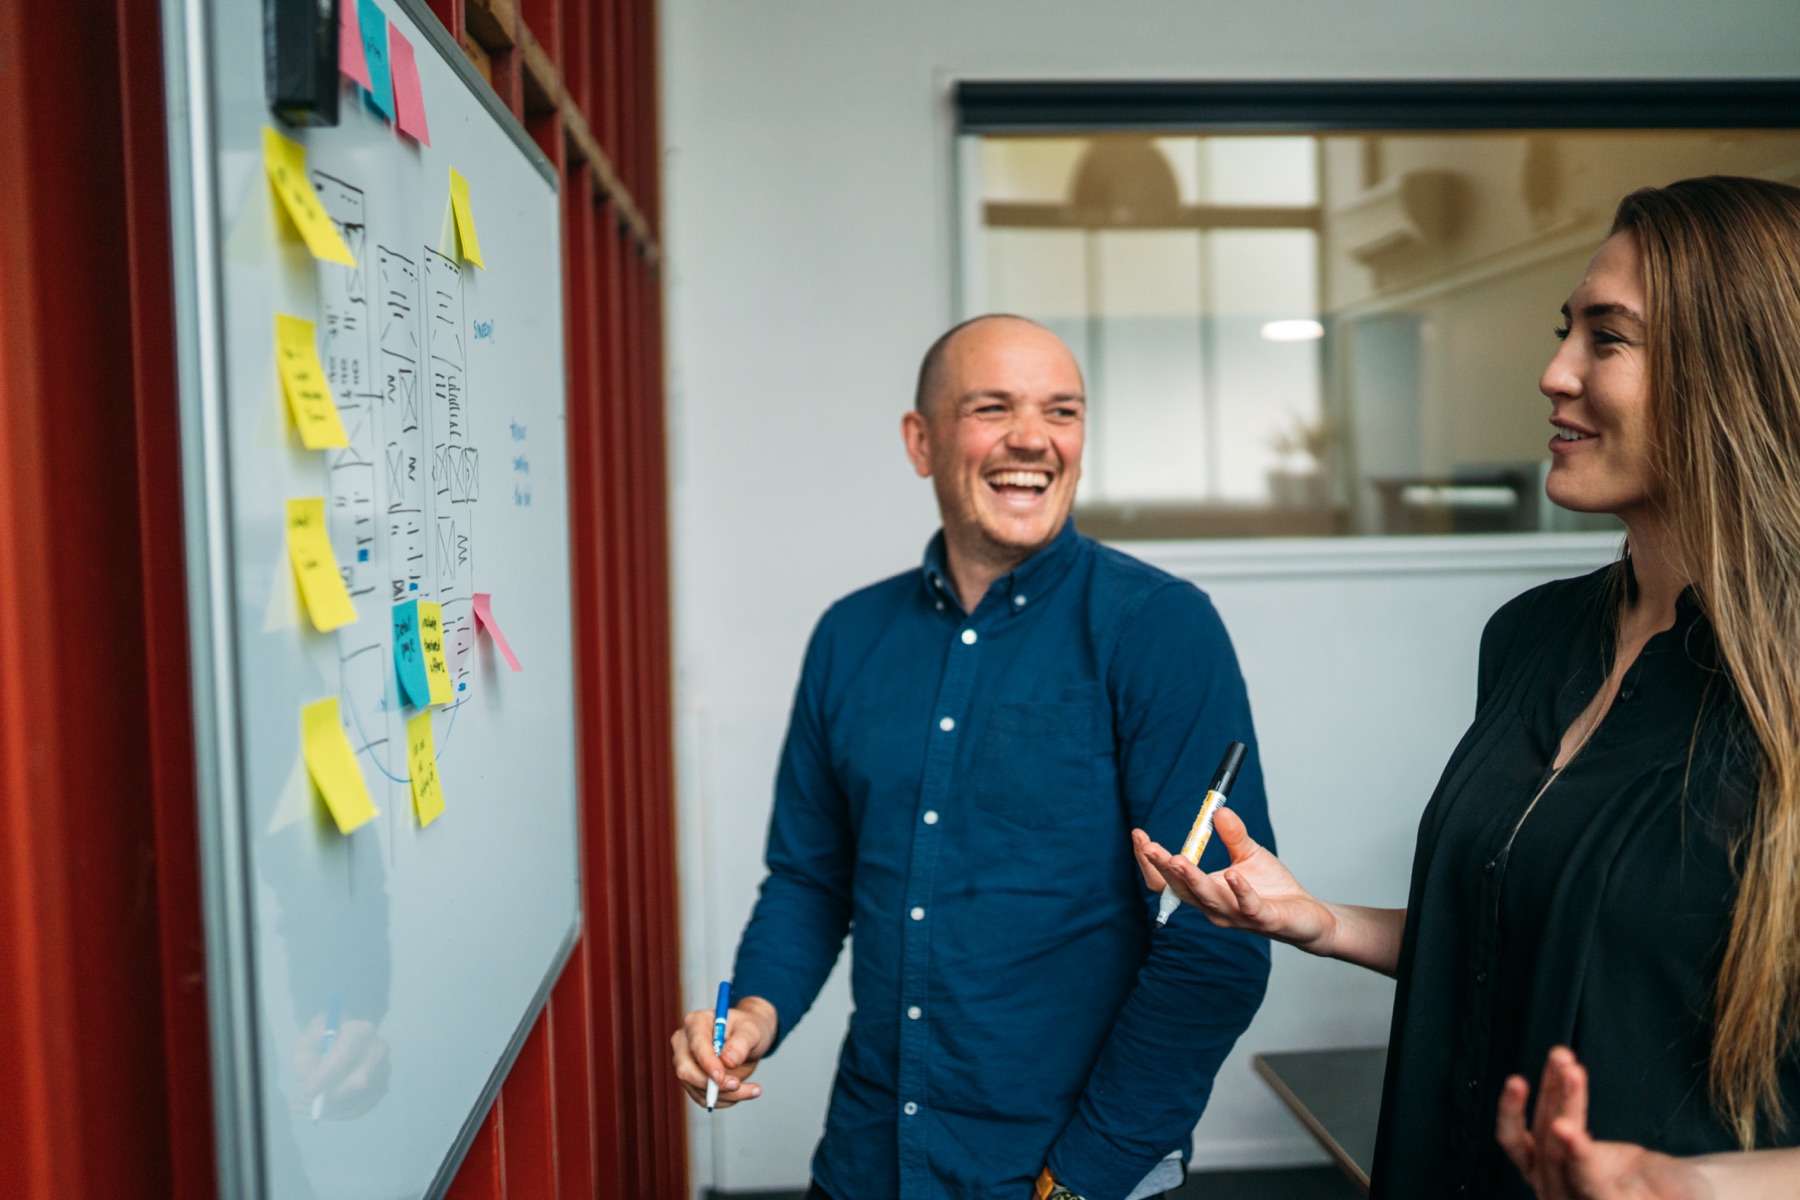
(1594, 919)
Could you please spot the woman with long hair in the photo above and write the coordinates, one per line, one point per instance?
(1606, 883)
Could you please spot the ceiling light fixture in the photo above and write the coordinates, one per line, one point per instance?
(1293, 331)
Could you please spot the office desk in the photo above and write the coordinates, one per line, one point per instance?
(1336, 1094)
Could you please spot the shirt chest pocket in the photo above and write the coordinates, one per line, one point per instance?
(1040, 764)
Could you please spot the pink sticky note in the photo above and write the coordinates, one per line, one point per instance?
(351, 62)
(409, 99)
(484, 613)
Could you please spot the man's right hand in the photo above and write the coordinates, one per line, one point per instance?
(750, 1028)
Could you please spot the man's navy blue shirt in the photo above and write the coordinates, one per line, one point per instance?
(959, 790)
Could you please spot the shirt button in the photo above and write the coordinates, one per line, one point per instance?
(968, 637)
(918, 914)
(947, 724)
(1480, 977)
(915, 1012)
(1473, 1084)
(931, 817)
(1488, 867)
(940, 606)
(1019, 601)
(910, 1109)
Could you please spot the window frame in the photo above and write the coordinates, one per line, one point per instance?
(998, 107)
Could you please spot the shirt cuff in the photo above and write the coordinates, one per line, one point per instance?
(1085, 1162)
(788, 1008)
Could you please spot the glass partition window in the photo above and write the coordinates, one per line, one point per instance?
(1315, 334)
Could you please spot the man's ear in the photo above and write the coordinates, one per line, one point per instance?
(916, 432)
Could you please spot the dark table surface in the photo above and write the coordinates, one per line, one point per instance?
(1336, 1094)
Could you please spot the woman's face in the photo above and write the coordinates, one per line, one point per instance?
(1599, 389)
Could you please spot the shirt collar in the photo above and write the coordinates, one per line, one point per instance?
(1020, 586)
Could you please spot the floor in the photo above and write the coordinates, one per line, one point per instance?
(1291, 1183)
(1288, 1183)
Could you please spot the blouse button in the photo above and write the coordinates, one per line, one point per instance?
(968, 637)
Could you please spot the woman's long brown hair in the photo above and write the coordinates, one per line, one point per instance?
(1721, 261)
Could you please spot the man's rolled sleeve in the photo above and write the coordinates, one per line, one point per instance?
(1178, 700)
(802, 912)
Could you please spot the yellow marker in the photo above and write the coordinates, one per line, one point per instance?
(431, 640)
(304, 384)
(465, 218)
(309, 549)
(421, 758)
(285, 161)
(332, 764)
(1201, 833)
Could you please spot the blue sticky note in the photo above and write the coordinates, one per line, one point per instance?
(374, 28)
(409, 656)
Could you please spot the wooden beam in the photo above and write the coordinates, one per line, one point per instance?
(606, 177)
(478, 55)
(543, 83)
(492, 22)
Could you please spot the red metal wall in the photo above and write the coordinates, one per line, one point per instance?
(104, 1074)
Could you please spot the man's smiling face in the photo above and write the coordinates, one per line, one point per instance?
(1001, 439)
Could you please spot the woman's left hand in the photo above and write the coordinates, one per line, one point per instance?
(1561, 1162)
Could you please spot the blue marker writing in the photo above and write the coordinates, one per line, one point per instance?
(719, 1011)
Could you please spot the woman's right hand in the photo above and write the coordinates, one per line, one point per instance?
(1256, 892)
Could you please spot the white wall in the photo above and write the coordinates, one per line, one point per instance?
(810, 227)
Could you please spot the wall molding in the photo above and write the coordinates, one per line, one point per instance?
(1204, 562)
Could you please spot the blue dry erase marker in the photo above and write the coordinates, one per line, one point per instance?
(719, 1011)
(325, 1044)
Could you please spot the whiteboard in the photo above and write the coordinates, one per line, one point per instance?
(434, 946)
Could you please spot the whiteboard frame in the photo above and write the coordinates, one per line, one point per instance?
(220, 789)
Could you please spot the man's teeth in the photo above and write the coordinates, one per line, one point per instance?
(1568, 435)
(1030, 479)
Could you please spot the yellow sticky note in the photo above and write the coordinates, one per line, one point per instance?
(309, 549)
(332, 764)
(431, 641)
(421, 759)
(285, 161)
(465, 218)
(303, 382)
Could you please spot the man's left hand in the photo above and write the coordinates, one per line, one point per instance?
(1561, 1162)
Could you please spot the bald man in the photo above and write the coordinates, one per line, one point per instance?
(970, 745)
